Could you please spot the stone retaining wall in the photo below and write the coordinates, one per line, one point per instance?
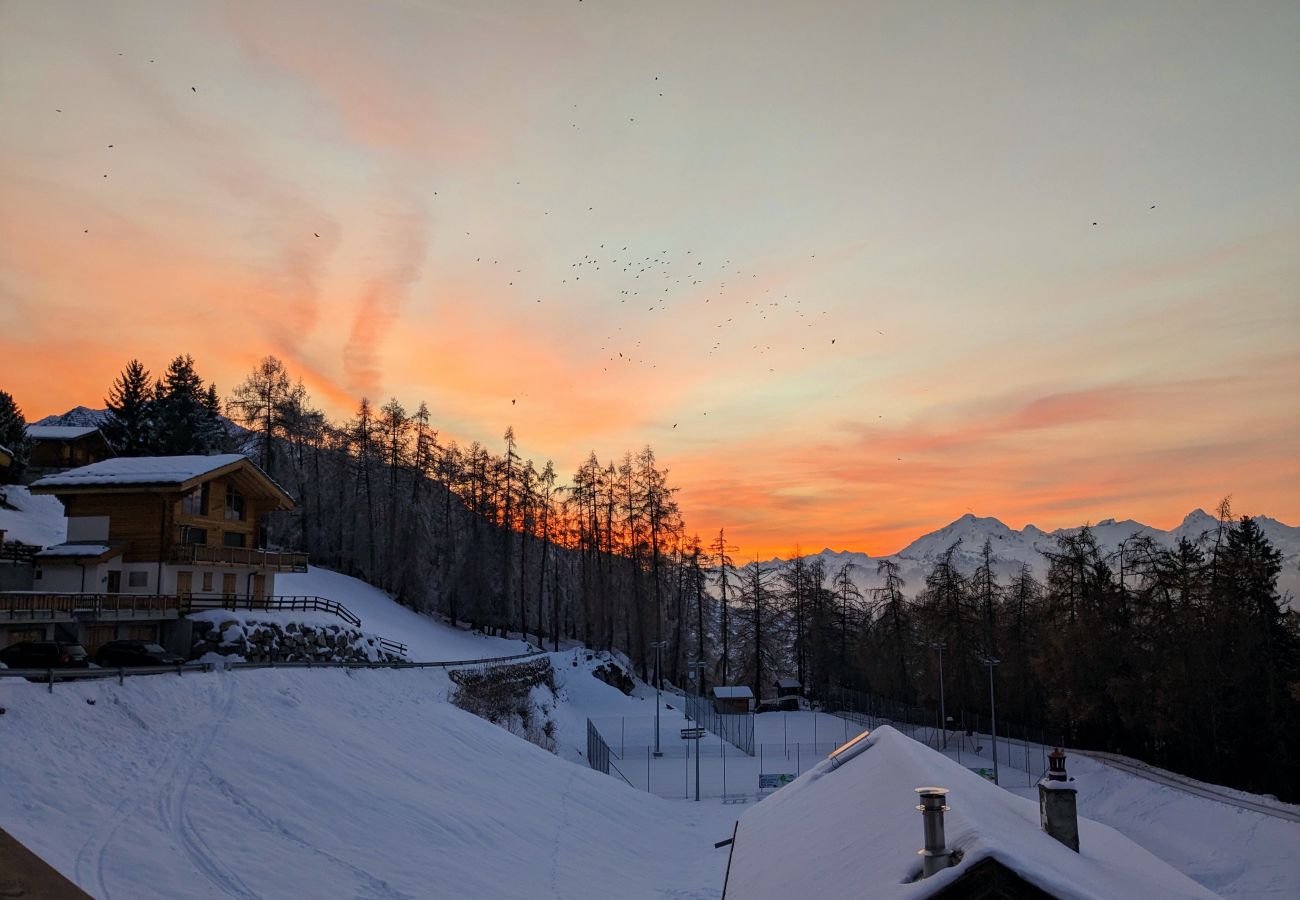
(259, 641)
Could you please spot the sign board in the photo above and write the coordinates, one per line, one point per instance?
(692, 734)
(770, 782)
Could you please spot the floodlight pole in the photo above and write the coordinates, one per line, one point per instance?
(658, 645)
(992, 661)
(943, 712)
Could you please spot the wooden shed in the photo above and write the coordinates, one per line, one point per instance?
(732, 699)
(788, 687)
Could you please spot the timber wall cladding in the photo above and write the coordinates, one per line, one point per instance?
(139, 520)
(215, 521)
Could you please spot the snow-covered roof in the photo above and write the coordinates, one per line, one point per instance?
(74, 551)
(853, 831)
(151, 471)
(786, 684)
(6, 455)
(59, 432)
(733, 692)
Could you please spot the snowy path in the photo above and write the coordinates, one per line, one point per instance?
(1192, 786)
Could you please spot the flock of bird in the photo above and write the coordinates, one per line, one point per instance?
(662, 282)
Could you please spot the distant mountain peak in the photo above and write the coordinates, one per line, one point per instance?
(80, 416)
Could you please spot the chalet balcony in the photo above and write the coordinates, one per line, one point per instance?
(30, 607)
(205, 555)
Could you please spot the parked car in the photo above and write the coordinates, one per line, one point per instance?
(45, 655)
(117, 654)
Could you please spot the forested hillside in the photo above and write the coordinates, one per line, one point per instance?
(1183, 655)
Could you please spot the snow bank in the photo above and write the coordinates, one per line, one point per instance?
(1234, 852)
(326, 784)
(427, 638)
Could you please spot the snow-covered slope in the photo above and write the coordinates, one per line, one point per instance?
(1232, 851)
(326, 784)
(426, 638)
(31, 519)
(1013, 548)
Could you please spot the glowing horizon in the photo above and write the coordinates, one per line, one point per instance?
(412, 198)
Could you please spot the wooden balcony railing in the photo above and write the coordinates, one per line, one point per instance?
(34, 606)
(205, 555)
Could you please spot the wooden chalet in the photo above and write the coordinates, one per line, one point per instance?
(145, 534)
(6, 460)
(57, 448)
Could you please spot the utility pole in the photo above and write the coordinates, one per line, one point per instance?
(992, 661)
(658, 645)
(943, 712)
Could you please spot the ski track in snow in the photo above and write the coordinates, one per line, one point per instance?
(564, 824)
(173, 805)
(375, 886)
(89, 866)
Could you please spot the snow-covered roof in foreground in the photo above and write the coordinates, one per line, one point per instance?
(854, 831)
(59, 432)
(733, 692)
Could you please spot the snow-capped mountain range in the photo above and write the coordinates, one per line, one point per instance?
(1011, 548)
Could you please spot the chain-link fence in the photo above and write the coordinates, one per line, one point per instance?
(738, 728)
(1016, 756)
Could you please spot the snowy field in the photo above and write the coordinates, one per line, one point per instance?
(326, 784)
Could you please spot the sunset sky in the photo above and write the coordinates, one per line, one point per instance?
(870, 266)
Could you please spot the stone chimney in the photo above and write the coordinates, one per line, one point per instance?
(935, 857)
(1057, 809)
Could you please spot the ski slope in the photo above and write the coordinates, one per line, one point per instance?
(426, 638)
(326, 784)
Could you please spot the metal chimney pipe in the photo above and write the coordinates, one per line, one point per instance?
(935, 857)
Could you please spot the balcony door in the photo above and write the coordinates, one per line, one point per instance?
(228, 584)
(115, 582)
(184, 583)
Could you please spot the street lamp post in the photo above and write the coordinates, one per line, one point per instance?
(943, 712)
(658, 645)
(992, 661)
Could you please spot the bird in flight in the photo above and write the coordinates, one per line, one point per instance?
(317, 235)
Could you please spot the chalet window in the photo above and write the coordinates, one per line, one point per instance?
(192, 535)
(195, 503)
(207, 582)
(233, 539)
(137, 579)
(234, 505)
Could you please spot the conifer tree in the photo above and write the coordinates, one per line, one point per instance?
(13, 435)
(131, 424)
